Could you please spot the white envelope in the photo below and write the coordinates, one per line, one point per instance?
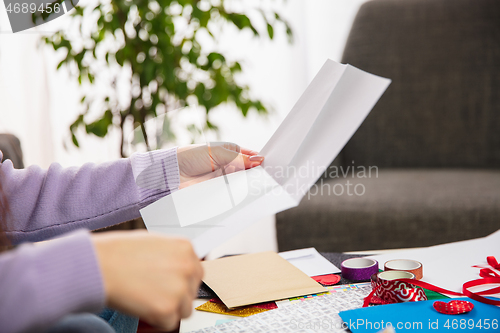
(322, 121)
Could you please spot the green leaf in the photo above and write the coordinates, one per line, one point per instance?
(75, 141)
(100, 126)
(215, 56)
(289, 33)
(270, 31)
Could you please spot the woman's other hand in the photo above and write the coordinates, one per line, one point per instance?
(150, 276)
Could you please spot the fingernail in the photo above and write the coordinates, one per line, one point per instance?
(256, 158)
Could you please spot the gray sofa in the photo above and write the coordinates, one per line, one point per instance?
(11, 149)
(434, 137)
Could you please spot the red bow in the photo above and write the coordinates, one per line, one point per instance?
(487, 272)
(493, 262)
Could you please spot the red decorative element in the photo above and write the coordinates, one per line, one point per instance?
(215, 300)
(492, 261)
(453, 307)
(477, 296)
(327, 280)
(393, 291)
(487, 272)
(378, 301)
(268, 306)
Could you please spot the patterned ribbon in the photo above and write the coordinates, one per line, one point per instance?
(478, 296)
(394, 291)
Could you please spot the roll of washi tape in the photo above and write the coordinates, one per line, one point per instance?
(388, 289)
(358, 269)
(406, 265)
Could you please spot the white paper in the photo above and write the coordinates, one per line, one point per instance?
(449, 266)
(310, 262)
(311, 136)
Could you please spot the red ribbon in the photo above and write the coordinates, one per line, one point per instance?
(493, 262)
(486, 273)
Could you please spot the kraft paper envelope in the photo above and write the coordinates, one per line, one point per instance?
(256, 278)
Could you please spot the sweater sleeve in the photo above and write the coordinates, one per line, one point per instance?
(42, 283)
(47, 203)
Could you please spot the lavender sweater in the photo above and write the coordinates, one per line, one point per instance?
(40, 283)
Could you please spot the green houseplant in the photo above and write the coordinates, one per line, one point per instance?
(155, 45)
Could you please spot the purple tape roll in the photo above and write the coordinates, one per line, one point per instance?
(358, 269)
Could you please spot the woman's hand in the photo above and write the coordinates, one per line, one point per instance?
(150, 276)
(202, 162)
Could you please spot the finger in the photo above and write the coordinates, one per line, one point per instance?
(252, 161)
(239, 161)
(193, 287)
(186, 306)
(194, 282)
(199, 273)
(248, 151)
(169, 322)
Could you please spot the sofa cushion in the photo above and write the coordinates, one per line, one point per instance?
(442, 108)
(395, 208)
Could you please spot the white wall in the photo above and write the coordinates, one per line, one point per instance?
(37, 103)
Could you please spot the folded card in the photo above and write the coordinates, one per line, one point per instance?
(322, 121)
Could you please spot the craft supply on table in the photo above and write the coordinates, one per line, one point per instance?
(453, 307)
(466, 288)
(352, 289)
(267, 305)
(412, 266)
(359, 269)
(450, 265)
(318, 312)
(256, 278)
(387, 288)
(327, 280)
(401, 288)
(335, 258)
(216, 306)
(422, 317)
